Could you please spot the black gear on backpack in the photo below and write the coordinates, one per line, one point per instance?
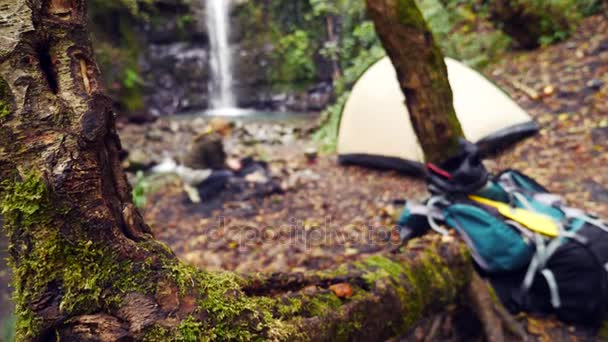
(578, 267)
(463, 173)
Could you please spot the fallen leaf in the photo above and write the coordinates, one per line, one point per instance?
(342, 290)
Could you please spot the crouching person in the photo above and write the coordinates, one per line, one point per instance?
(206, 152)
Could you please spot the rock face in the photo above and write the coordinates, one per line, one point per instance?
(174, 60)
(176, 77)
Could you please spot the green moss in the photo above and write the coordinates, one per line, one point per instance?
(231, 314)
(183, 275)
(190, 330)
(348, 329)
(5, 109)
(237, 316)
(6, 98)
(25, 205)
(88, 276)
(415, 286)
(409, 14)
(385, 267)
(27, 324)
(289, 308)
(24, 202)
(156, 334)
(322, 304)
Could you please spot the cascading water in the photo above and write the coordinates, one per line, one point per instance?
(220, 85)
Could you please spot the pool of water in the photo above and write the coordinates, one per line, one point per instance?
(250, 115)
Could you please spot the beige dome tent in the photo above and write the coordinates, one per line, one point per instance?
(375, 129)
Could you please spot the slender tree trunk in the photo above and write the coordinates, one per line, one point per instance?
(86, 266)
(330, 21)
(422, 75)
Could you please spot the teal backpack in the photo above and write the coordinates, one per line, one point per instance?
(556, 271)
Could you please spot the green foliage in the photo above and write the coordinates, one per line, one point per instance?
(140, 190)
(117, 49)
(185, 21)
(326, 136)
(357, 49)
(558, 18)
(132, 79)
(463, 30)
(146, 185)
(466, 30)
(296, 56)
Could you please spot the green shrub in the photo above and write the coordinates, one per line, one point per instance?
(463, 30)
(296, 57)
(558, 18)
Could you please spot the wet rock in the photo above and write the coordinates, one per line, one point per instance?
(176, 77)
(320, 96)
(138, 160)
(155, 135)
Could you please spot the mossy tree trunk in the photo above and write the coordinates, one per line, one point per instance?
(86, 266)
(422, 75)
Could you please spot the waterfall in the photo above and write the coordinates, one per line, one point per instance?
(220, 84)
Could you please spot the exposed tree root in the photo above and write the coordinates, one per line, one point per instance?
(483, 305)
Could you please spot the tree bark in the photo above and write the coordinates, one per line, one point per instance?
(332, 37)
(422, 75)
(86, 266)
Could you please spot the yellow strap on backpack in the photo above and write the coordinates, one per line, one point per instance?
(539, 223)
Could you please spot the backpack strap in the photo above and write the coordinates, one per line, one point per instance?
(414, 219)
(572, 214)
(434, 212)
(553, 288)
(544, 252)
(528, 217)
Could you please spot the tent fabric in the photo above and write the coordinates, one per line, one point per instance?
(375, 130)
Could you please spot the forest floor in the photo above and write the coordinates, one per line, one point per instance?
(328, 213)
(325, 213)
